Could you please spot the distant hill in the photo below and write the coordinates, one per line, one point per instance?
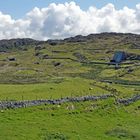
(123, 38)
(6, 45)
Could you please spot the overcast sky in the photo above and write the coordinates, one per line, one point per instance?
(44, 19)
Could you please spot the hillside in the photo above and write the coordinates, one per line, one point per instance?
(68, 89)
(30, 61)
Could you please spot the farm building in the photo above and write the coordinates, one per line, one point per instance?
(118, 57)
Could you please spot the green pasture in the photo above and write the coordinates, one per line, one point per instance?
(100, 120)
(68, 87)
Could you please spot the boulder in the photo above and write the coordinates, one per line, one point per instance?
(56, 64)
(11, 58)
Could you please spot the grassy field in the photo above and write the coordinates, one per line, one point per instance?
(93, 120)
(66, 88)
(100, 120)
(70, 70)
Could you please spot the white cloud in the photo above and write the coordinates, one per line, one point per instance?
(65, 20)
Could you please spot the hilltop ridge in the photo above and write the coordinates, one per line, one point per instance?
(6, 44)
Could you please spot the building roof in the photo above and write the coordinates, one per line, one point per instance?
(119, 56)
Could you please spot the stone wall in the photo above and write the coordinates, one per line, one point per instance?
(21, 104)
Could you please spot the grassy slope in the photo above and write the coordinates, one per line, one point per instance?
(101, 120)
(68, 87)
(104, 121)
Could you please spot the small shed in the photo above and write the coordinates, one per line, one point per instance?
(118, 57)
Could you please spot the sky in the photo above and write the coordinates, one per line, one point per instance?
(18, 8)
(45, 19)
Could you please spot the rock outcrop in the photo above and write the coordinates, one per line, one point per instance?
(6, 45)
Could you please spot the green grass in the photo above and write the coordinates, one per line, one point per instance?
(93, 120)
(104, 121)
(55, 89)
(30, 77)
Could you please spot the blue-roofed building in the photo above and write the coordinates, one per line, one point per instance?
(118, 57)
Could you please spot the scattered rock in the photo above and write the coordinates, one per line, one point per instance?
(45, 56)
(78, 38)
(54, 42)
(39, 47)
(56, 64)
(80, 57)
(38, 54)
(37, 63)
(90, 88)
(70, 107)
(11, 58)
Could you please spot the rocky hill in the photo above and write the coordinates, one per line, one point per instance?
(121, 38)
(6, 45)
